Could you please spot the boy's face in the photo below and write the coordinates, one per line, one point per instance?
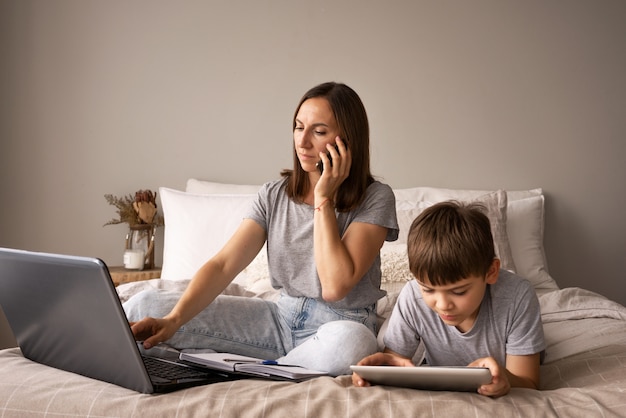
(457, 304)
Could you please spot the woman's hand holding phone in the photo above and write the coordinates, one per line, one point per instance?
(345, 157)
(334, 167)
(320, 163)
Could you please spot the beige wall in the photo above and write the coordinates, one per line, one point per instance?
(113, 96)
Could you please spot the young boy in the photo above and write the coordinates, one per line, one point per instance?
(463, 308)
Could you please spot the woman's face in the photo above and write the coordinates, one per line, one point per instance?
(314, 128)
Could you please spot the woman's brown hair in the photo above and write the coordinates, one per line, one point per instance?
(353, 126)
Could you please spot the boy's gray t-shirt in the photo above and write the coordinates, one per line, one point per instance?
(289, 227)
(508, 322)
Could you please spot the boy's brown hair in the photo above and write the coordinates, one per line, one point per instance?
(450, 241)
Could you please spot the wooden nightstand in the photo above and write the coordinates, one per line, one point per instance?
(120, 274)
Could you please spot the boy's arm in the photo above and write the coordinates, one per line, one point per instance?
(523, 371)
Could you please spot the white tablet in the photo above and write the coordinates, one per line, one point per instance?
(460, 379)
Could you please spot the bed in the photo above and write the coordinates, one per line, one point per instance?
(584, 373)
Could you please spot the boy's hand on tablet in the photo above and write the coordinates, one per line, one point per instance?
(380, 359)
(500, 384)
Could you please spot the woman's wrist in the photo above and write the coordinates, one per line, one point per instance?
(174, 319)
(326, 202)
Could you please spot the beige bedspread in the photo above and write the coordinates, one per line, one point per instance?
(584, 376)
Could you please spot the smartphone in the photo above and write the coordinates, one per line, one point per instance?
(320, 164)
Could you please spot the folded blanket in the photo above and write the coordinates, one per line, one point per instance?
(577, 303)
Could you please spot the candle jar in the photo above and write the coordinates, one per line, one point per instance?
(141, 237)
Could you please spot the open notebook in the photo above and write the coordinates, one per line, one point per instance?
(250, 366)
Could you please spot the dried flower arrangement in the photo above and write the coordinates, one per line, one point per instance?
(138, 210)
(140, 213)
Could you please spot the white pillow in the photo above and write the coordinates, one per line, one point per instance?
(525, 222)
(494, 202)
(209, 187)
(196, 227)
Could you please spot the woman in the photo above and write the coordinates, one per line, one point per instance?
(324, 222)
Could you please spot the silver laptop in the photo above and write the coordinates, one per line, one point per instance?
(65, 313)
(460, 379)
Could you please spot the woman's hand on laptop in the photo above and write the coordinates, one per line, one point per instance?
(387, 358)
(152, 331)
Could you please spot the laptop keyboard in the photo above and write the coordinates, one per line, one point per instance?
(171, 371)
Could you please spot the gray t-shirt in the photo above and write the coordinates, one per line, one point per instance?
(508, 322)
(289, 227)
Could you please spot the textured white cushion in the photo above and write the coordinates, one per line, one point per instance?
(525, 222)
(435, 194)
(394, 263)
(524, 228)
(196, 227)
(494, 202)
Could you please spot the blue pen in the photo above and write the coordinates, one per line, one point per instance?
(263, 362)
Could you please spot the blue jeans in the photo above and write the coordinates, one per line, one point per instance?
(294, 330)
